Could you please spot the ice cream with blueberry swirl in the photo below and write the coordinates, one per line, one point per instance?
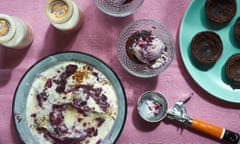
(71, 103)
(145, 48)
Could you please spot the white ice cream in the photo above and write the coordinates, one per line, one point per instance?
(146, 51)
(151, 108)
(60, 107)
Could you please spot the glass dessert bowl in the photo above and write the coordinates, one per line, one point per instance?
(145, 48)
(118, 8)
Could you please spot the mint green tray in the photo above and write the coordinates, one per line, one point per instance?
(213, 79)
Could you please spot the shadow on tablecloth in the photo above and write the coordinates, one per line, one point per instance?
(14, 135)
(9, 59)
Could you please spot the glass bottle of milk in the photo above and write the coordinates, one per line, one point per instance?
(14, 32)
(64, 15)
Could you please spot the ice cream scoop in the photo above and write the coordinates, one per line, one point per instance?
(152, 101)
(146, 47)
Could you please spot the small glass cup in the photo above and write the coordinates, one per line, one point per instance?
(118, 8)
(157, 29)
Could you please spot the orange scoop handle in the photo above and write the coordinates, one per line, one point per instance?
(210, 129)
(215, 131)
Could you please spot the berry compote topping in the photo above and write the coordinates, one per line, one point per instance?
(61, 133)
(70, 70)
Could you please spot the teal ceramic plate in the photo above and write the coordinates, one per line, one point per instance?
(212, 79)
(21, 93)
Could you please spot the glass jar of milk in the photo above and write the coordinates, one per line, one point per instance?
(14, 32)
(64, 15)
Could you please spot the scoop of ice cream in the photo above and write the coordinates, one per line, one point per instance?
(151, 108)
(147, 47)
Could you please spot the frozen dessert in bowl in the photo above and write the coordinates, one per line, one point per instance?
(70, 98)
(145, 48)
(71, 102)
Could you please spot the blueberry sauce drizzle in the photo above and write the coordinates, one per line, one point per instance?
(60, 133)
(70, 69)
(60, 130)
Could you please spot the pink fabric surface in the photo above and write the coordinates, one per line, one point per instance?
(98, 37)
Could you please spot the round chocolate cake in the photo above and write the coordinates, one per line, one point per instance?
(220, 11)
(232, 69)
(206, 47)
(236, 29)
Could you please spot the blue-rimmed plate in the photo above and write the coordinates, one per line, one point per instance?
(212, 79)
(21, 93)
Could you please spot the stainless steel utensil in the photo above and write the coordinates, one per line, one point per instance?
(179, 113)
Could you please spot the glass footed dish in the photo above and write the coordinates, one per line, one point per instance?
(159, 31)
(118, 8)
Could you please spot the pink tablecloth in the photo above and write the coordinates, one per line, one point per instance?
(98, 37)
